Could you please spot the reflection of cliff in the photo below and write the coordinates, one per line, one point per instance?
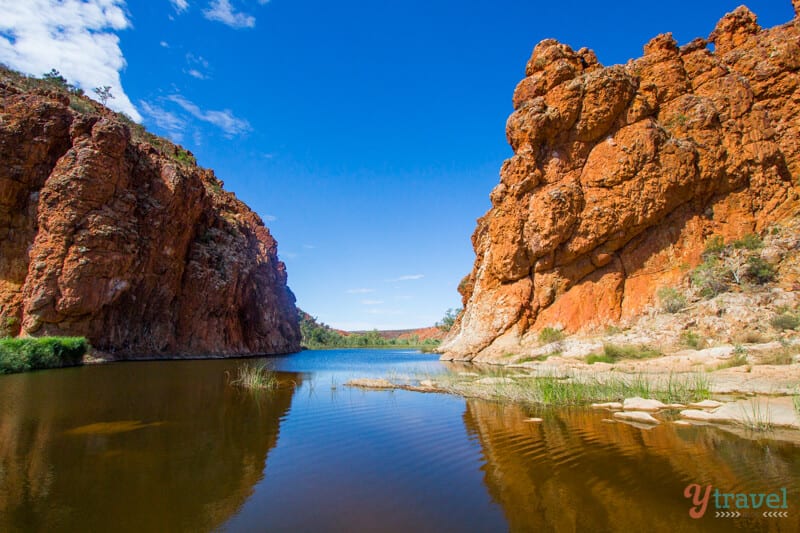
(574, 472)
(146, 447)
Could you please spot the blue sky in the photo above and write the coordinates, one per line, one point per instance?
(368, 135)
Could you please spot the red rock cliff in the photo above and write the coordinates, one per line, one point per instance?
(620, 174)
(126, 241)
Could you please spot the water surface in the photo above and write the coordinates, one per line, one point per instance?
(170, 446)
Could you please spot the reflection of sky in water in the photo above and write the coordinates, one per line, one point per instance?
(170, 446)
(339, 366)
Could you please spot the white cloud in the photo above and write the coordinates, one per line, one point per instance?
(407, 277)
(371, 302)
(224, 120)
(223, 11)
(76, 37)
(359, 291)
(196, 66)
(309, 246)
(270, 218)
(166, 120)
(180, 5)
(164, 44)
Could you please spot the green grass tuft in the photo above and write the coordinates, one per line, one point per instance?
(690, 339)
(255, 377)
(548, 335)
(784, 321)
(672, 301)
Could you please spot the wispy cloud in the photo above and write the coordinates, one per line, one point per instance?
(407, 277)
(180, 5)
(270, 218)
(78, 38)
(197, 65)
(224, 120)
(164, 44)
(360, 291)
(309, 246)
(223, 11)
(371, 302)
(166, 120)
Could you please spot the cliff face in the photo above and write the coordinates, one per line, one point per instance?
(621, 173)
(126, 241)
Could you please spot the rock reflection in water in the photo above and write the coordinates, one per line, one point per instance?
(576, 472)
(108, 451)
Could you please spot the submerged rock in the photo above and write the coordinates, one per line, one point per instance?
(636, 416)
(706, 404)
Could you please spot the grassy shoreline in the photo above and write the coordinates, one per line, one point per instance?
(37, 353)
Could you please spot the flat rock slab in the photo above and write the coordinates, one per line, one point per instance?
(642, 404)
(775, 412)
(533, 420)
(636, 416)
(706, 404)
(607, 405)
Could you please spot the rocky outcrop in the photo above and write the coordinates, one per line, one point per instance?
(111, 233)
(621, 173)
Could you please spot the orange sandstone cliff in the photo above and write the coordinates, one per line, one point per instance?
(621, 173)
(114, 234)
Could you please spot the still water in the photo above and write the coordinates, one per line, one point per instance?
(170, 446)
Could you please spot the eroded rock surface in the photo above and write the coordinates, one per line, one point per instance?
(621, 173)
(128, 242)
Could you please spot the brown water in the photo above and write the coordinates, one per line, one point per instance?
(169, 446)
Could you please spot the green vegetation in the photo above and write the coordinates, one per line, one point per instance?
(319, 336)
(796, 400)
(737, 263)
(750, 241)
(782, 356)
(738, 358)
(34, 353)
(103, 93)
(709, 278)
(690, 339)
(548, 335)
(757, 417)
(672, 301)
(449, 319)
(53, 81)
(255, 377)
(785, 320)
(615, 352)
(564, 390)
(759, 271)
